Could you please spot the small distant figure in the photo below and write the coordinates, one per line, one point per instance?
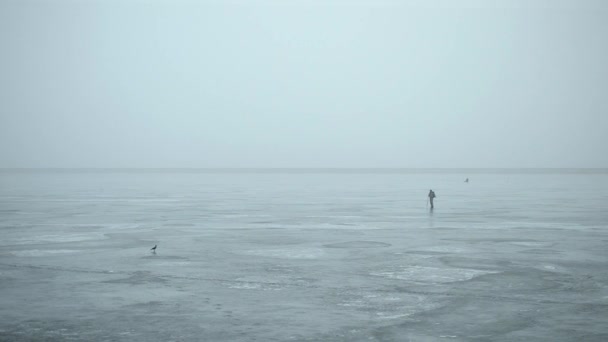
(466, 180)
(431, 197)
(153, 249)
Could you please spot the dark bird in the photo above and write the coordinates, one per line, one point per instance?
(153, 248)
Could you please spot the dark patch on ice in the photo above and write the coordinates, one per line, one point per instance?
(138, 278)
(344, 224)
(426, 253)
(473, 263)
(117, 326)
(146, 305)
(473, 240)
(88, 227)
(164, 257)
(9, 211)
(171, 224)
(358, 244)
(512, 241)
(272, 268)
(522, 281)
(452, 323)
(541, 251)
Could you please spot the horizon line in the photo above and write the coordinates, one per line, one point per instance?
(294, 167)
(320, 169)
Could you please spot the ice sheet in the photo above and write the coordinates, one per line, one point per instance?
(314, 257)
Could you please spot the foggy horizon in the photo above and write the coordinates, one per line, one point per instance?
(351, 85)
(315, 170)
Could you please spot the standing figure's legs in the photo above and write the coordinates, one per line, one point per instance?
(431, 203)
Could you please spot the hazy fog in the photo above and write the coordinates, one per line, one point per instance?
(303, 83)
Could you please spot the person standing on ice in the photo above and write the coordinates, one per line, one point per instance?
(431, 197)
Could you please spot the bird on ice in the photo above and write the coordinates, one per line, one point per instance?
(153, 249)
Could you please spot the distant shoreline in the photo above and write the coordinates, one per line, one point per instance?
(317, 170)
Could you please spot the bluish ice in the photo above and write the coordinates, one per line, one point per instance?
(296, 255)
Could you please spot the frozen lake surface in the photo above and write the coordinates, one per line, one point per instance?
(303, 256)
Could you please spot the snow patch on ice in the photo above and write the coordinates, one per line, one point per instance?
(289, 253)
(41, 239)
(42, 252)
(358, 244)
(443, 249)
(530, 244)
(425, 274)
(245, 286)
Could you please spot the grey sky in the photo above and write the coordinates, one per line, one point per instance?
(303, 83)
